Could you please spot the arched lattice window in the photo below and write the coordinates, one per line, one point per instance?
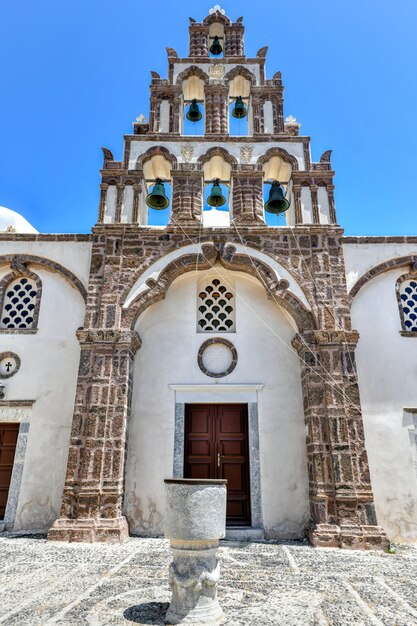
(216, 307)
(407, 295)
(20, 304)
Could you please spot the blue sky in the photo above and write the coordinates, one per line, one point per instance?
(76, 74)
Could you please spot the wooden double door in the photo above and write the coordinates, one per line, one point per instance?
(216, 446)
(8, 439)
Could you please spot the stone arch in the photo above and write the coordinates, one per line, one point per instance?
(322, 182)
(289, 158)
(19, 263)
(391, 264)
(240, 70)
(155, 151)
(276, 289)
(193, 70)
(217, 151)
(217, 17)
(410, 277)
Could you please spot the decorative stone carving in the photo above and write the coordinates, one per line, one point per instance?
(217, 71)
(216, 8)
(187, 151)
(246, 153)
(195, 521)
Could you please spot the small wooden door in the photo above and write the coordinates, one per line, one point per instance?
(8, 439)
(216, 446)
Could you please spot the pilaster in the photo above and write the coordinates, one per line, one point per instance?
(341, 499)
(247, 197)
(217, 109)
(92, 500)
(187, 197)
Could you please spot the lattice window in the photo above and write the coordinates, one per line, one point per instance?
(408, 303)
(19, 304)
(216, 307)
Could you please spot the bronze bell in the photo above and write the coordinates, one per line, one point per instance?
(157, 199)
(277, 202)
(194, 113)
(239, 110)
(216, 47)
(216, 198)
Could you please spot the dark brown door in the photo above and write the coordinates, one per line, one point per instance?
(8, 439)
(216, 446)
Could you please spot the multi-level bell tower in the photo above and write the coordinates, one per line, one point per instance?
(308, 246)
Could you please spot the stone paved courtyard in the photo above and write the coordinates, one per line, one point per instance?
(262, 583)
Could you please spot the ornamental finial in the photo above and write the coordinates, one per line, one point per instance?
(218, 8)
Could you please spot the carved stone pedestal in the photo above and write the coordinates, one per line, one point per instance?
(90, 530)
(353, 537)
(195, 521)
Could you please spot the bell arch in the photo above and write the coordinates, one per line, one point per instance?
(217, 17)
(193, 70)
(155, 152)
(279, 152)
(240, 70)
(217, 151)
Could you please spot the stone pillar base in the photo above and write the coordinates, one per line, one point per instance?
(349, 537)
(193, 577)
(89, 530)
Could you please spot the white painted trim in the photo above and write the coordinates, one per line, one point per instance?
(216, 387)
(18, 412)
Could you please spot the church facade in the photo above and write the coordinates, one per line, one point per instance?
(218, 343)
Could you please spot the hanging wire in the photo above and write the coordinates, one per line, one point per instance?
(337, 386)
(288, 346)
(329, 310)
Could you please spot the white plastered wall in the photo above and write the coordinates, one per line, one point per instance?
(138, 147)
(387, 371)
(48, 375)
(168, 356)
(324, 208)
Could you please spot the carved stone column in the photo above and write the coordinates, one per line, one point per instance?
(247, 197)
(297, 204)
(315, 204)
(119, 202)
(332, 208)
(92, 500)
(102, 205)
(217, 109)
(137, 189)
(341, 499)
(278, 112)
(257, 113)
(198, 40)
(187, 197)
(233, 41)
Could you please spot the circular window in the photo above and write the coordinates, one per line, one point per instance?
(217, 357)
(9, 364)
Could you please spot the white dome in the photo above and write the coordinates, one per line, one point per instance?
(13, 222)
(213, 218)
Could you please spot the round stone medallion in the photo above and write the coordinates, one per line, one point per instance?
(217, 357)
(9, 364)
